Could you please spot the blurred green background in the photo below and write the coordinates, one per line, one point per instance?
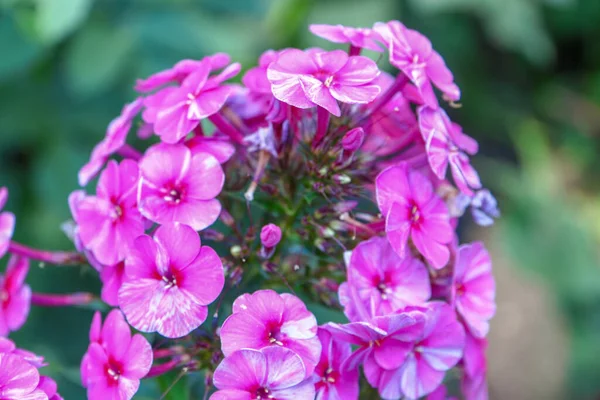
(530, 75)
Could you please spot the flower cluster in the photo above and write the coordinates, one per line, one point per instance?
(319, 183)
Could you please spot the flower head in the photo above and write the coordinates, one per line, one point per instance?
(267, 319)
(306, 79)
(169, 281)
(113, 365)
(7, 223)
(15, 295)
(112, 142)
(178, 187)
(273, 373)
(411, 52)
(108, 222)
(332, 380)
(413, 210)
(474, 288)
(447, 144)
(357, 37)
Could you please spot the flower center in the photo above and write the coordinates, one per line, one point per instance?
(3, 296)
(328, 81)
(190, 99)
(460, 289)
(170, 280)
(173, 195)
(330, 376)
(415, 215)
(273, 338)
(263, 394)
(384, 290)
(113, 371)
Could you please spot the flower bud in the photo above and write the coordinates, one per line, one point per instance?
(341, 179)
(353, 139)
(270, 235)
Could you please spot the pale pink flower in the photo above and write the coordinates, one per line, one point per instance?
(412, 210)
(19, 379)
(333, 381)
(274, 373)
(15, 295)
(7, 223)
(266, 318)
(178, 187)
(306, 79)
(108, 222)
(198, 97)
(474, 288)
(411, 52)
(384, 281)
(169, 281)
(115, 364)
(115, 138)
(447, 144)
(358, 37)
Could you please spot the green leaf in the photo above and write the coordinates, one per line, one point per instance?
(55, 19)
(96, 57)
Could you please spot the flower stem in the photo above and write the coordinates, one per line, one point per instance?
(161, 369)
(354, 50)
(60, 300)
(323, 117)
(225, 127)
(50, 257)
(128, 151)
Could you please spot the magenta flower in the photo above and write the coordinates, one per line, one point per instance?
(383, 280)
(169, 281)
(112, 142)
(265, 319)
(438, 349)
(412, 210)
(274, 373)
(362, 38)
(180, 71)
(15, 295)
(7, 223)
(332, 380)
(255, 78)
(8, 346)
(411, 52)
(19, 379)
(447, 144)
(474, 288)
(198, 97)
(114, 366)
(49, 387)
(178, 187)
(441, 393)
(110, 221)
(112, 279)
(474, 379)
(217, 146)
(305, 79)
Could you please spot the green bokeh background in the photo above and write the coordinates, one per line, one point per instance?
(530, 75)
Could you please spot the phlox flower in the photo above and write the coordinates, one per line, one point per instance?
(436, 350)
(266, 319)
(198, 97)
(474, 288)
(255, 79)
(447, 144)
(332, 380)
(116, 135)
(357, 37)
(178, 187)
(484, 208)
(412, 210)
(169, 281)
(218, 146)
(7, 223)
(273, 373)
(19, 379)
(411, 52)
(306, 79)
(474, 380)
(8, 346)
(441, 393)
(108, 222)
(115, 363)
(49, 387)
(15, 295)
(112, 279)
(384, 281)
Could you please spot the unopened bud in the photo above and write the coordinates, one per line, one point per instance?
(341, 179)
(270, 235)
(353, 139)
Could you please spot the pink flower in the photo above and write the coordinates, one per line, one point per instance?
(115, 365)
(217, 146)
(49, 387)
(413, 210)
(265, 319)
(272, 373)
(19, 379)
(112, 279)
(180, 71)
(169, 281)
(198, 97)
(474, 380)
(357, 37)
(384, 281)
(15, 295)
(305, 79)
(411, 52)
(447, 144)
(7, 223)
(178, 187)
(441, 393)
(438, 349)
(474, 288)
(112, 142)
(332, 380)
(255, 78)
(8, 346)
(110, 221)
